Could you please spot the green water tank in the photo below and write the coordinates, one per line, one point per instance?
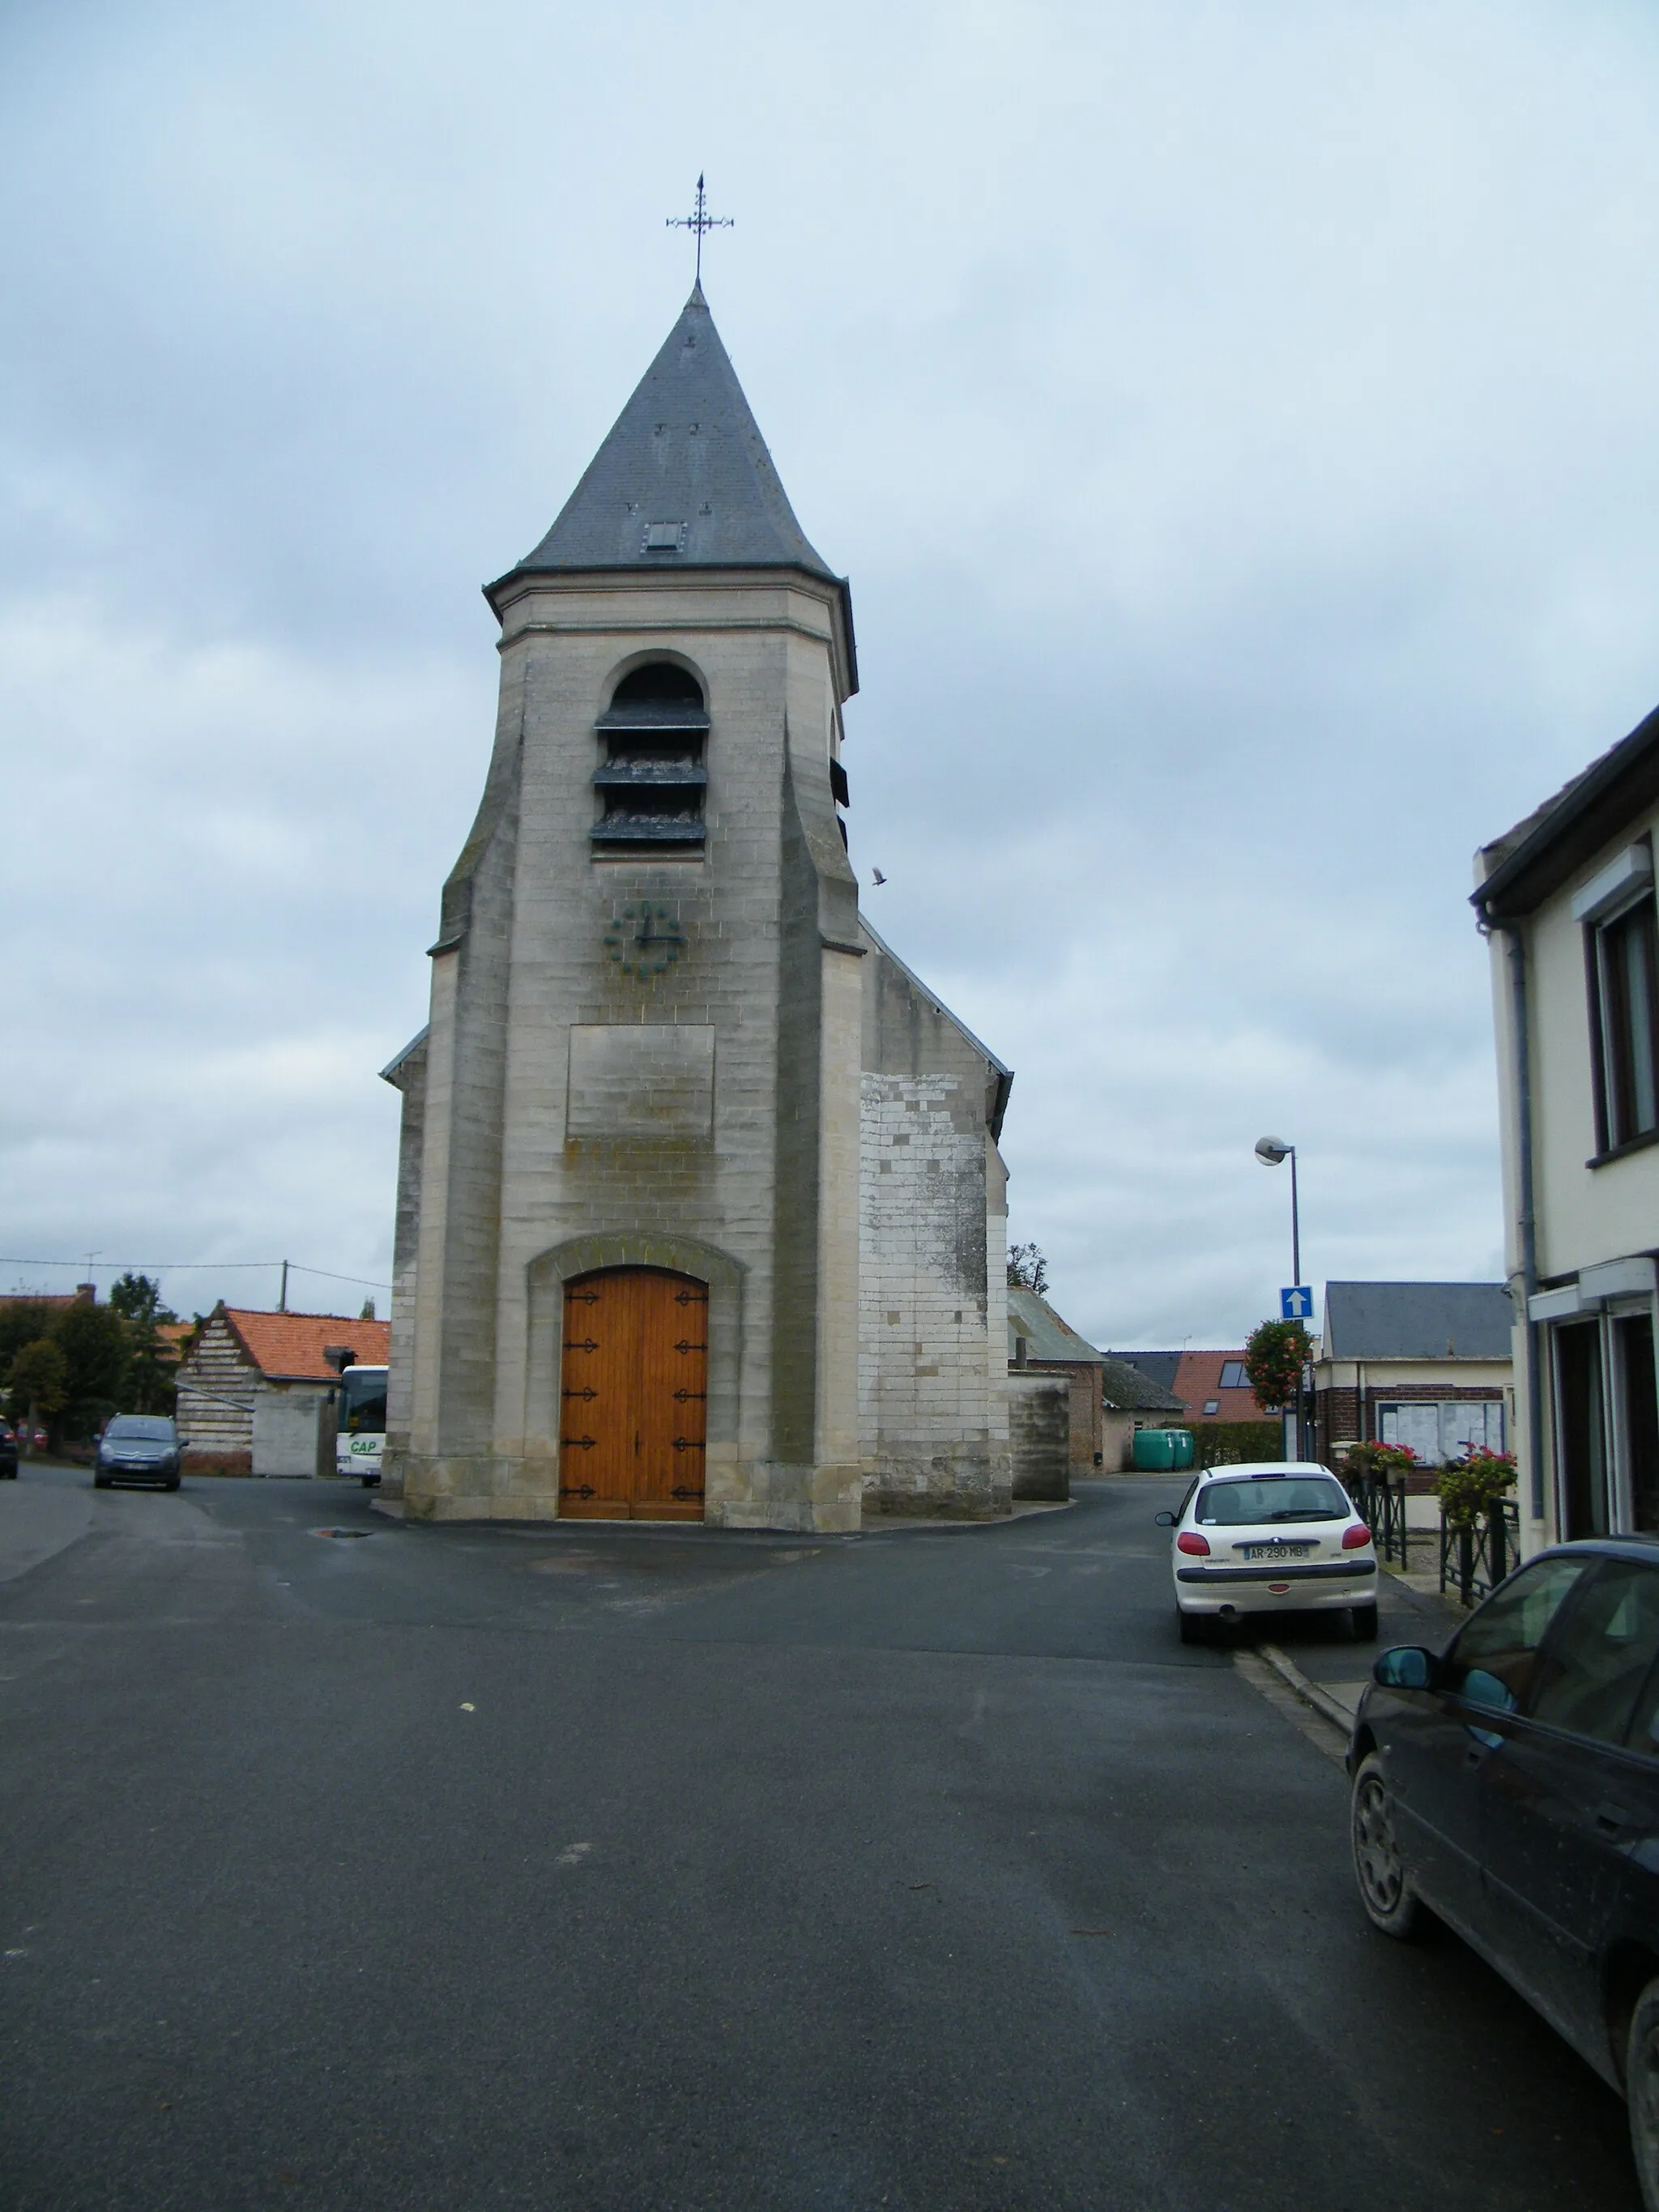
(1162, 1451)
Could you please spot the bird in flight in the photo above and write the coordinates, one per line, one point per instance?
(877, 877)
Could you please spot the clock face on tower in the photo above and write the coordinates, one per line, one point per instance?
(645, 939)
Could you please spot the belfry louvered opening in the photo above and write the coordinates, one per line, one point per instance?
(652, 780)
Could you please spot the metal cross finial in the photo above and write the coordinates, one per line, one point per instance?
(700, 221)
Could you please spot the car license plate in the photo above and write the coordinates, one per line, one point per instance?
(1272, 1553)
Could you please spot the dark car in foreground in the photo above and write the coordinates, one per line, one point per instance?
(1510, 1784)
(139, 1448)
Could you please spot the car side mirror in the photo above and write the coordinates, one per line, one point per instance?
(1166, 1521)
(1408, 1666)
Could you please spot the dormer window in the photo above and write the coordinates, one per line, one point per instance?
(664, 537)
(653, 779)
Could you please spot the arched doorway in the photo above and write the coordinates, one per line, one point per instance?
(634, 1386)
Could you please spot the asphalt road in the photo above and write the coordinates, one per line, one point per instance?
(660, 1869)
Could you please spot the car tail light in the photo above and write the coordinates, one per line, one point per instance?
(1354, 1537)
(1190, 1540)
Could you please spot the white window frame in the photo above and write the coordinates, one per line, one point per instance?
(1450, 1414)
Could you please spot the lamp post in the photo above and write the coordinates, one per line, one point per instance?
(1273, 1152)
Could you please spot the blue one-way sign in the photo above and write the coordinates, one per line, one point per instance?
(1296, 1305)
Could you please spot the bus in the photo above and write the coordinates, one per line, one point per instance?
(361, 1437)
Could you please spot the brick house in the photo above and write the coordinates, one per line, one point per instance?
(1131, 1400)
(1038, 1338)
(256, 1392)
(1211, 1386)
(1426, 1364)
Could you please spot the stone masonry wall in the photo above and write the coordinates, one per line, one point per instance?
(1039, 1434)
(931, 1398)
(540, 965)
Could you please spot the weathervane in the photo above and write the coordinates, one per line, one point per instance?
(699, 221)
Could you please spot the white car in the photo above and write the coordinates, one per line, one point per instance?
(1274, 1536)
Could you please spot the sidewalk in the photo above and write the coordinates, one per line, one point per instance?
(1412, 1611)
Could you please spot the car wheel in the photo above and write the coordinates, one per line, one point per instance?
(172, 1483)
(1641, 2091)
(1389, 1900)
(1192, 1628)
(1364, 1622)
(100, 1482)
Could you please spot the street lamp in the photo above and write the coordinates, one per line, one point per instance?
(1273, 1152)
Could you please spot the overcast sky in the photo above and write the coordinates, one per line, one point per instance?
(1237, 422)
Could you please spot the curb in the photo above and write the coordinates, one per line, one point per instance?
(1310, 1692)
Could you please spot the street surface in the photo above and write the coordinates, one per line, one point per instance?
(662, 1869)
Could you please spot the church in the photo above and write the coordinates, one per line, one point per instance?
(701, 1215)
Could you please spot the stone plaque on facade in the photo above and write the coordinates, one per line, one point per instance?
(641, 1079)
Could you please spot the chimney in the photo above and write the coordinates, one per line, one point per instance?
(1020, 1349)
(86, 1294)
(340, 1357)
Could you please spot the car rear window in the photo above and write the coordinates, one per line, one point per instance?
(1272, 1498)
(150, 1426)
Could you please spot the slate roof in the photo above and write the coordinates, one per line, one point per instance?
(684, 451)
(1416, 1321)
(1539, 854)
(1047, 1336)
(1159, 1367)
(287, 1347)
(1123, 1387)
(1128, 1389)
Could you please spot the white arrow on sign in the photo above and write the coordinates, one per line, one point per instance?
(1296, 1305)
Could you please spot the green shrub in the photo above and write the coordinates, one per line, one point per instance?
(1225, 1444)
(1471, 1487)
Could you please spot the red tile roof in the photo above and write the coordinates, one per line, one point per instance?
(290, 1344)
(1197, 1380)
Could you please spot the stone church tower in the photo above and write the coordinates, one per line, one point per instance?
(701, 1214)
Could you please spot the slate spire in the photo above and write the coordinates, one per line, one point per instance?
(684, 479)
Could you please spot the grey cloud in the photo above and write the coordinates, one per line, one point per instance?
(1236, 424)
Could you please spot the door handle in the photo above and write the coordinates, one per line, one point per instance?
(1613, 1819)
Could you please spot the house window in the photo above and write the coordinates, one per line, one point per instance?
(652, 780)
(1621, 952)
(1233, 1376)
(1437, 1433)
(1212, 1405)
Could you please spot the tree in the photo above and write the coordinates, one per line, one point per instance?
(22, 1321)
(152, 1361)
(93, 1341)
(37, 1383)
(137, 1298)
(1274, 1356)
(367, 1313)
(1027, 1270)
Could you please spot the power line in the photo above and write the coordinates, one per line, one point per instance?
(200, 1266)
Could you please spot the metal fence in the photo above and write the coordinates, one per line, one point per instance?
(1382, 1502)
(1474, 1560)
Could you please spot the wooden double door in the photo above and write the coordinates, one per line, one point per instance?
(633, 1434)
